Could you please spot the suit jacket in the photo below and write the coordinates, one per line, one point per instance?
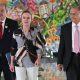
(65, 47)
(5, 42)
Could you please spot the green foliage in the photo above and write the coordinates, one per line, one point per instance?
(60, 16)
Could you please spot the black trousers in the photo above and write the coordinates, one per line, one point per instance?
(5, 68)
(73, 71)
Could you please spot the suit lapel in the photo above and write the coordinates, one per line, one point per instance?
(69, 36)
(5, 27)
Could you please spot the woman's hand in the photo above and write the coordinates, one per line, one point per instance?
(38, 62)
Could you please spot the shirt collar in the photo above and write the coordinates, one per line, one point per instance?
(78, 24)
(73, 24)
(4, 20)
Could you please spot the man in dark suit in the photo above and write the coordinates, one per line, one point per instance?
(7, 26)
(69, 48)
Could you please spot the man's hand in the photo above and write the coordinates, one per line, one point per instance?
(12, 64)
(12, 67)
(60, 67)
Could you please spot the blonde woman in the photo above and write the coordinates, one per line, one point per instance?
(30, 54)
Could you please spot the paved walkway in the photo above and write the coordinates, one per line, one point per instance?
(48, 70)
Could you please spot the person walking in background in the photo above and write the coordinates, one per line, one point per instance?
(69, 48)
(7, 26)
(31, 43)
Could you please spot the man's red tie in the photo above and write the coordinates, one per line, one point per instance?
(0, 30)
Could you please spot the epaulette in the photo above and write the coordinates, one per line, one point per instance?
(18, 32)
(32, 28)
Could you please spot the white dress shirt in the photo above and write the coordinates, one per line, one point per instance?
(73, 32)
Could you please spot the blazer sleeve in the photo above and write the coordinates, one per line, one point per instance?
(40, 40)
(41, 37)
(13, 47)
(61, 47)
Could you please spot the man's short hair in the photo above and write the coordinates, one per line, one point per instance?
(4, 4)
(43, 2)
(75, 7)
